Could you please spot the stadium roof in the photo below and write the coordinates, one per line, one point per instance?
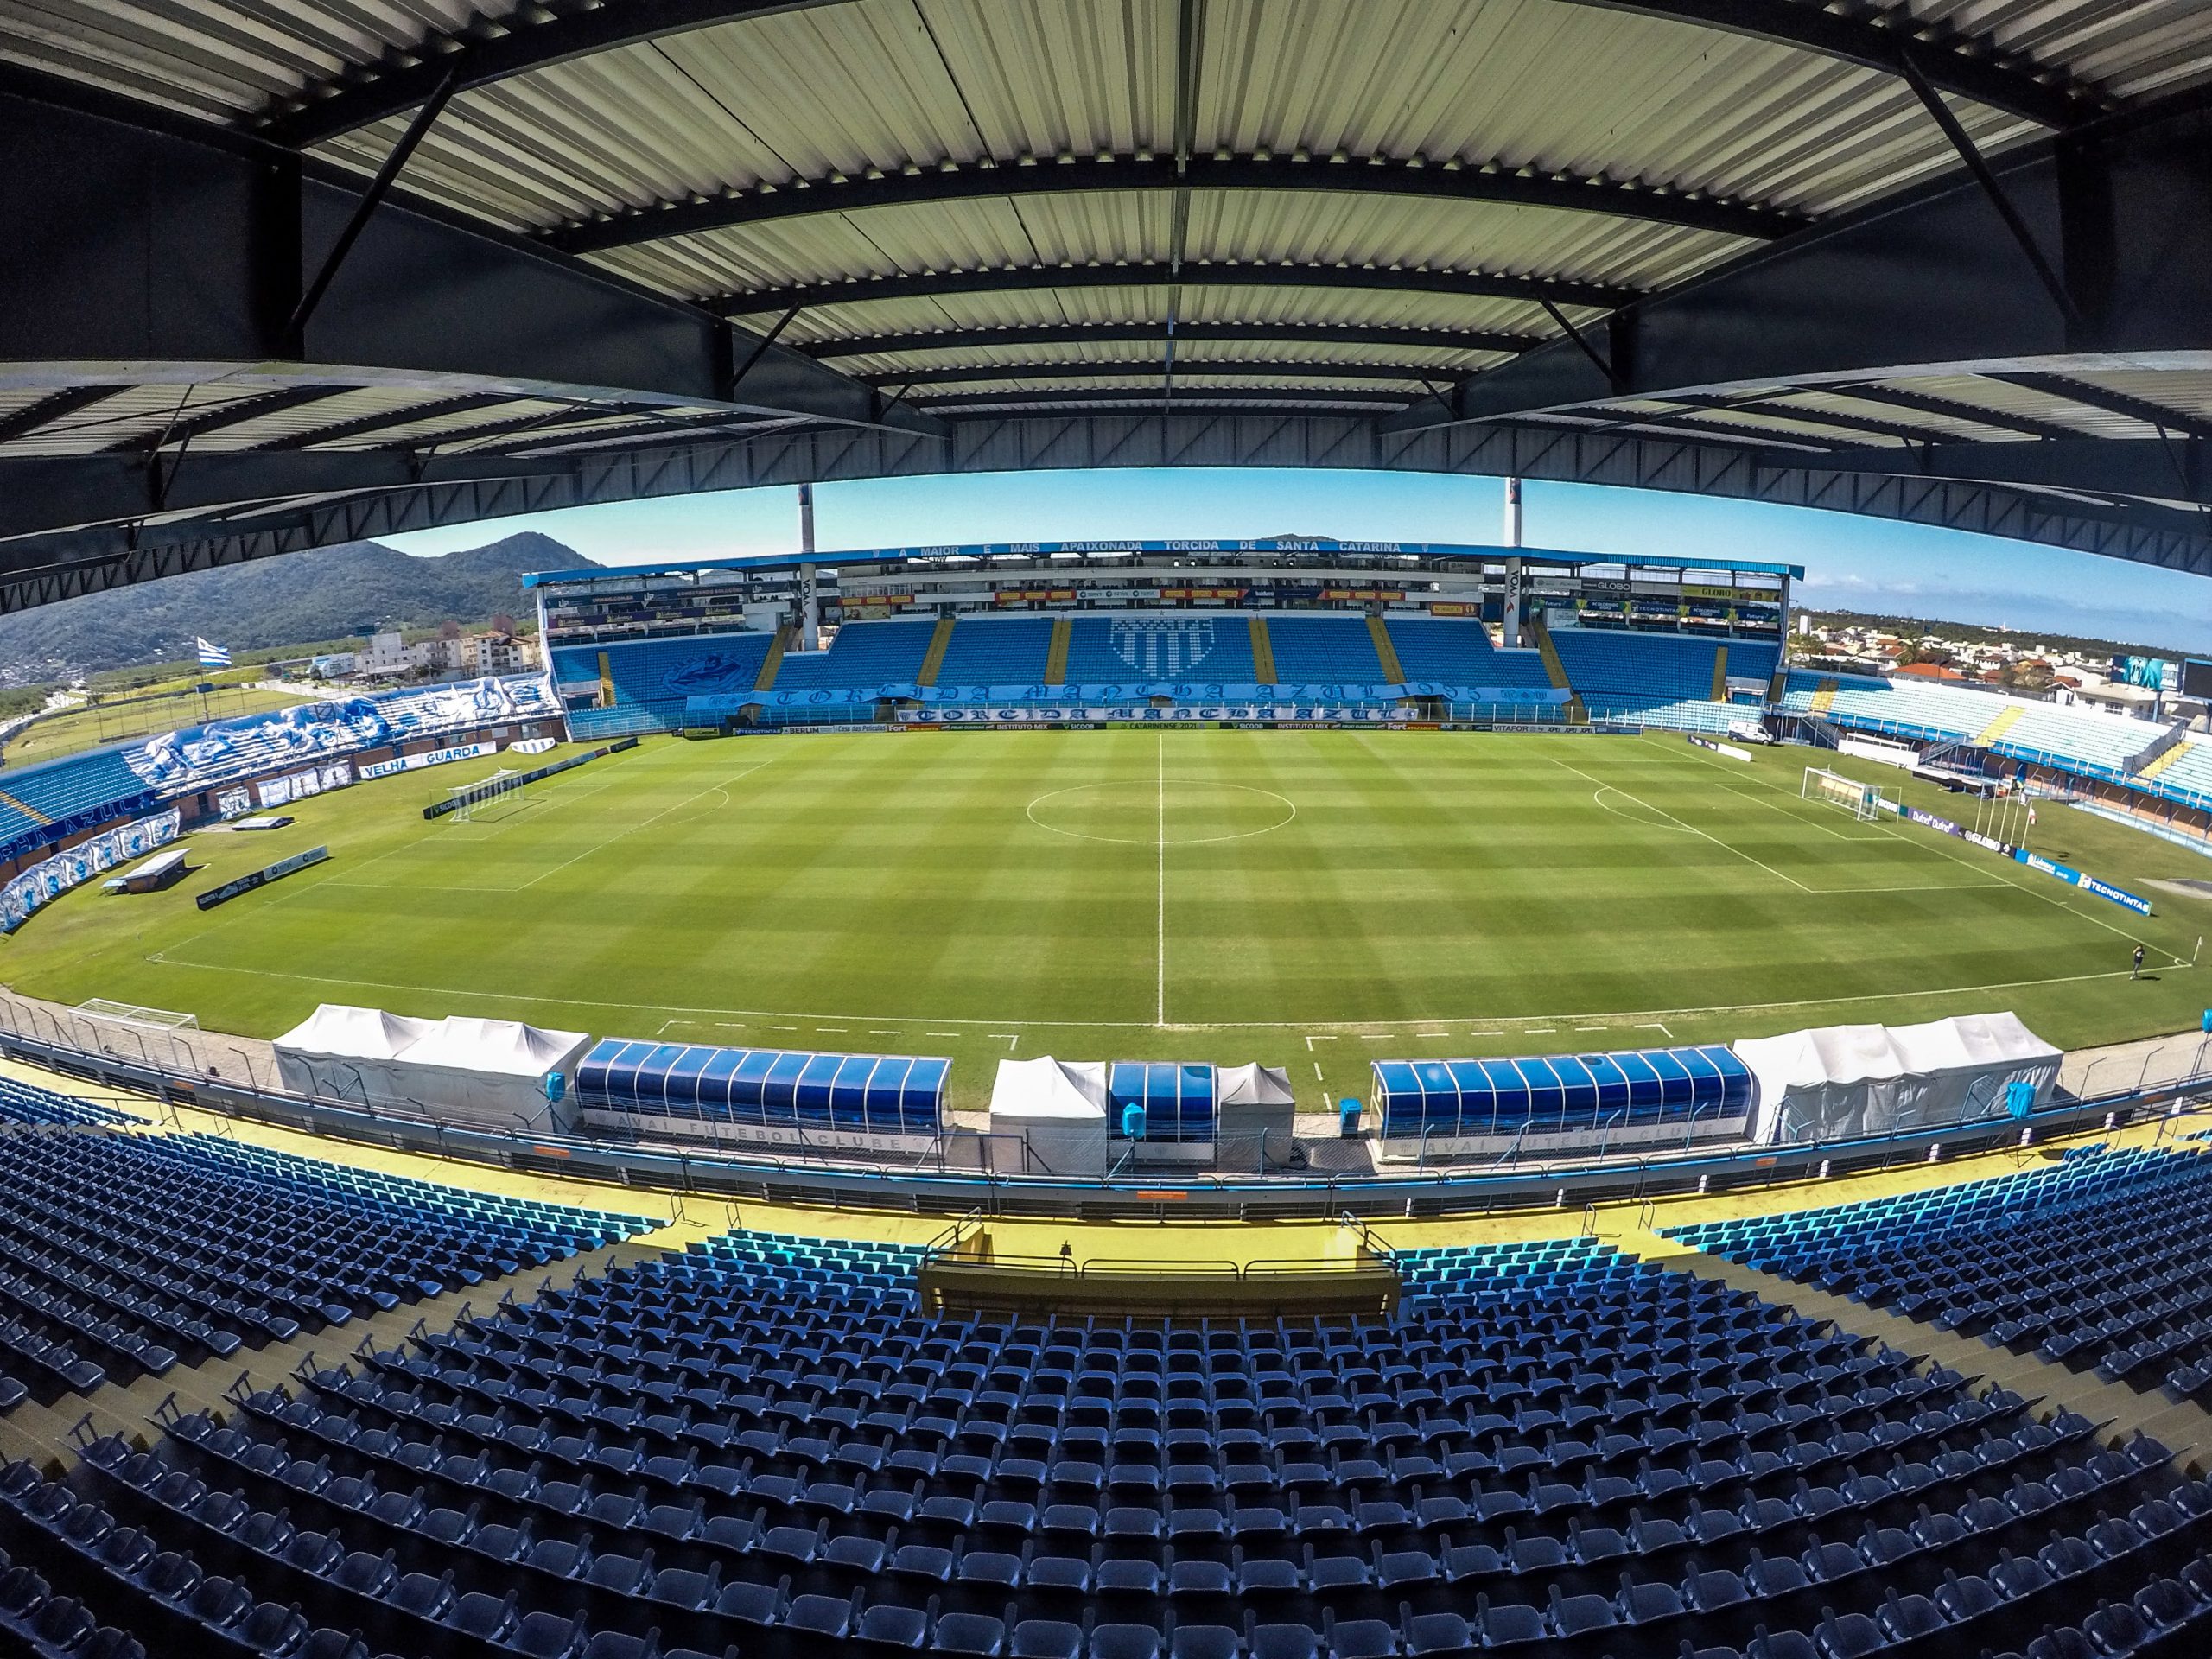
(287, 271)
(1318, 546)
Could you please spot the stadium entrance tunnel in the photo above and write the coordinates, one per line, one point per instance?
(1162, 811)
(971, 1277)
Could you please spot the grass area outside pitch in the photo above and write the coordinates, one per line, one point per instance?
(1311, 899)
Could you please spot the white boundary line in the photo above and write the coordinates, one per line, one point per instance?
(1355, 1027)
(1030, 812)
(1737, 851)
(1933, 845)
(1159, 1001)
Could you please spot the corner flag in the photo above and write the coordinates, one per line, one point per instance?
(212, 656)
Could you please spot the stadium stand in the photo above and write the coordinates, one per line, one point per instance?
(1459, 653)
(142, 1247)
(764, 1443)
(1111, 647)
(1662, 667)
(656, 675)
(42, 804)
(1321, 645)
(2083, 742)
(863, 656)
(2096, 1259)
(997, 651)
(21, 1102)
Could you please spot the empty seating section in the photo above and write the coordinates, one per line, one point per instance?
(2076, 739)
(997, 651)
(1686, 714)
(1119, 647)
(120, 1252)
(766, 1447)
(1662, 667)
(22, 1103)
(98, 784)
(1450, 652)
(864, 655)
(657, 675)
(2096, 1259)
(2189, 774)
(1321, 646)
(1753, 659)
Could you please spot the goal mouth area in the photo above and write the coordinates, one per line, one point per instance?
(105, 1012)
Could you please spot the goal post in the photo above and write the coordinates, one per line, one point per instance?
(1862, 801)
(468, 800)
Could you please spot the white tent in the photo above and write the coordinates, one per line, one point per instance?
(340, 1052)
(486, 1073)
(1840, 1081)
(1048, 1117)
(1254, 1085)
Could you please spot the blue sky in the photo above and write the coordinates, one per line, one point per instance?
(1867, 564)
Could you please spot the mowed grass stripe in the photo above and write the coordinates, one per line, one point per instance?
(753, 891)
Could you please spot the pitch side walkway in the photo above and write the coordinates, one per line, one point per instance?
(2140, 1064)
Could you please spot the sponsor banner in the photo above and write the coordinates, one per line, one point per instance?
(1143, 713)
(261, 878)
(2088, 883)
(1362, 594)
(50, 878)
(1455, 610)
(1717, 747)
(1707, 590)
(1201, 593)
(530, 746)
(1036, 595)
(1987, 843)
(1913, 814)
(433, 758)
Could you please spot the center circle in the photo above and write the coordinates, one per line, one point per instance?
(1148, 811)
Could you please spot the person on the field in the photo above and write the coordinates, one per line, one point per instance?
(2137, 972)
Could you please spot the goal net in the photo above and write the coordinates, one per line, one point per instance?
(469, 800)
(1863, 801)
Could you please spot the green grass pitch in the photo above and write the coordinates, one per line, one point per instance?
(1310, 899)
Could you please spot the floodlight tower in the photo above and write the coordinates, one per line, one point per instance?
(1512, 617)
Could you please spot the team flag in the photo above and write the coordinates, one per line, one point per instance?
(212, 655)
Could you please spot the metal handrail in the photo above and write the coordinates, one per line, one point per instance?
(908, 1188)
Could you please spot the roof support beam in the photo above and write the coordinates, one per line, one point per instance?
(1922, 402)
(53, 406)
(2180, 470)
(2092, 395)
(151, 247)
(1359, 175)
(1091, 398)
(1152, 332)
(39, 569)
(233, 412)
(1929, 282)
(1045, 279)
(1138, 370)
(1879, 38)
(487, 50)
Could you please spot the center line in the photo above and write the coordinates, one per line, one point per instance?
(1160, 1001)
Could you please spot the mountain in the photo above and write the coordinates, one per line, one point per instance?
(326, 594)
